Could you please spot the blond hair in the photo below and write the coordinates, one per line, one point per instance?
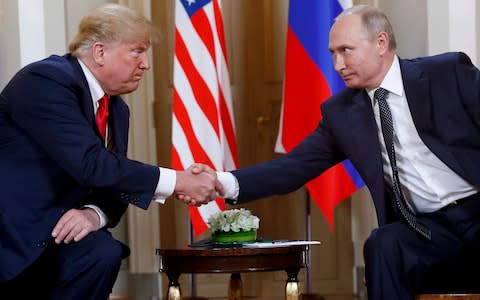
(374, 21)
(111, 23)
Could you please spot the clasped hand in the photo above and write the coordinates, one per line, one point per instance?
(198, 185)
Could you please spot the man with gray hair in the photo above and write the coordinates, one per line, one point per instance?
(65, 174)
(411, 128)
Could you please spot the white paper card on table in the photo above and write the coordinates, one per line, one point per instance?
(279, 243)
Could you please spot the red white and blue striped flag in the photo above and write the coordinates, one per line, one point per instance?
(310, 79)
(202, 123)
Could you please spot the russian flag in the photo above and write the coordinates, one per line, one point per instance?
(309, 80)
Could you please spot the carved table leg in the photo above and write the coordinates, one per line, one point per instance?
(173, 292)
(235, 291)
(292, 290)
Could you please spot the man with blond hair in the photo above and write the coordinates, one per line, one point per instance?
(65, 174)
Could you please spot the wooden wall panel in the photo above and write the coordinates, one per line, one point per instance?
(255, 32)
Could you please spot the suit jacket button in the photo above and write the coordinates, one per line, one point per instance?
(41, 244)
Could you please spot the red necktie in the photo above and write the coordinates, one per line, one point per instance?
(102, 116)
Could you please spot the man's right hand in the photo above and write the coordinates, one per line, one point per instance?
(196, 188)
(197, 168)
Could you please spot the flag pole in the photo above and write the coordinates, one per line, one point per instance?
(308, 237)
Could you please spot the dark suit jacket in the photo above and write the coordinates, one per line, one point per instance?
(443, 94)
(52, 159)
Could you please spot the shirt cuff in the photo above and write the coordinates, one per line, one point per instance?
(230, 185)
(166, 185)
(101, 215)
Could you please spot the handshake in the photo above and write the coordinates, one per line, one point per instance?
(198, 185)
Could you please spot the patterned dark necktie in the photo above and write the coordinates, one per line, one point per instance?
(102, 116)
(387, 131)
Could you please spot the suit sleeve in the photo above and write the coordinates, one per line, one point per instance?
(309, 159)
(45, 102)
(107, 201)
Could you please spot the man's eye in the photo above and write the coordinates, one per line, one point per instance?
(137, 52)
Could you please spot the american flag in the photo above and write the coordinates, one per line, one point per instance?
(202, 124)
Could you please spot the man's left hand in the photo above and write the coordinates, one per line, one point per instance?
(75, 224)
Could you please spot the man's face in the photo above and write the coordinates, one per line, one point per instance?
(123, 66)
(356, 58)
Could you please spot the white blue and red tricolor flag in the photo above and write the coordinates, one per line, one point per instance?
(310, 79)
(202, 123)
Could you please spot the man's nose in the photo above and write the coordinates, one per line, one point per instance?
(338, 63)
(144, 64)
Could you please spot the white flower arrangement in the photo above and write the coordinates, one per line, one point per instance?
(235, 220)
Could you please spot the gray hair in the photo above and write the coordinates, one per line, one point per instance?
(111, 23)
(374, 22)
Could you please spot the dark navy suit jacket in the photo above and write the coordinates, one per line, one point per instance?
(52, 159)
(443, 94)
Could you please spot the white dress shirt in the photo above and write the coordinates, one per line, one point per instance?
(168, 177)
(427, 183)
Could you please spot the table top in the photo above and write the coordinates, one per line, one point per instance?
(231, 259)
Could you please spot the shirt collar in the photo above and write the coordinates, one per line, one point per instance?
(393, 80)
(95, 89)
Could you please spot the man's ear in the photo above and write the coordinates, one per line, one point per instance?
(98, 53)
(383, 41)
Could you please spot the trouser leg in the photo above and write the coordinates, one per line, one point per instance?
(84, 270)
(88, 269)
(398, 260)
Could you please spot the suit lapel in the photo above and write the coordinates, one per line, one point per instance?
(364, 129)
(420, 103)
(418, 96)
(117, 130)
(366, 148)
(118, 126)
(86, 97)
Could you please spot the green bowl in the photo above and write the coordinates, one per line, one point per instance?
(234, 237)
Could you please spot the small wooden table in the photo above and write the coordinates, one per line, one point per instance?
(235, 261)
